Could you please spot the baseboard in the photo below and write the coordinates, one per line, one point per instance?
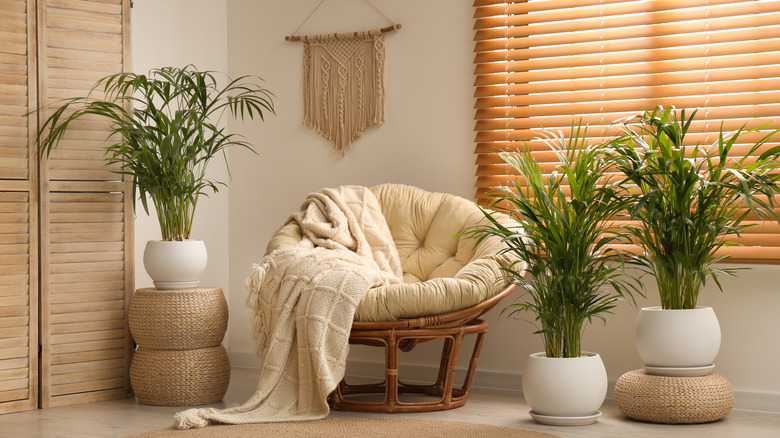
(757, 401)
(244, 360)
(501, 381)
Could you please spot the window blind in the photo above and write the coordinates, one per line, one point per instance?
(547, 63)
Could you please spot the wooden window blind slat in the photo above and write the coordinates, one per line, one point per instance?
(626, 77)
(547, 63)
(574, 45)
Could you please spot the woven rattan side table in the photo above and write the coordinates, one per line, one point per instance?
(180, 360)
(674, 400)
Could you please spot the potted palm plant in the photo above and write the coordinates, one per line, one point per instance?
(165, 129)
(688, 200)
(560, 230)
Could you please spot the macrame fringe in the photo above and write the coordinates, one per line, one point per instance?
(335, 139)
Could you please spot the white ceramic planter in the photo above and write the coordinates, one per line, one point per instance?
(565, 391)
(175, 264)
(688, 338)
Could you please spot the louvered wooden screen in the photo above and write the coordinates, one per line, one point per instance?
(66, 288)
(18, 210)
(18, 302)
(84, 330)
(81, 42)
(14, 102)
(547, 63)
(86, 218)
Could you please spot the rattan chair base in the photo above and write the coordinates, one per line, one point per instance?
(443, 394)
(404, 335)
(180, 377)
(674, 400)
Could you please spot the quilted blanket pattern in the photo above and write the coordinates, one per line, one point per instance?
(303, 298)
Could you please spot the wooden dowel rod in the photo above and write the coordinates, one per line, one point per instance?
(383, 30)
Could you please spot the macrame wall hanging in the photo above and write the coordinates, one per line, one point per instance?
(343, 81)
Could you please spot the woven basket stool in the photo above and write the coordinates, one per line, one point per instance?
(674, 400)
(180, 360)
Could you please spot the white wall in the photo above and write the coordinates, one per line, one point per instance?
(426, 141)
(177, 33)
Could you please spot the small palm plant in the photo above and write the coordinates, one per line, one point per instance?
(691, 198)
(165, 129)
(572, 274)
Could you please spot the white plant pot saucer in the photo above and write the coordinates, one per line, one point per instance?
(565, 421)
(679, 371)
(167, 285)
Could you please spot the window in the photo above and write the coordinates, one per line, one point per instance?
(545, 63)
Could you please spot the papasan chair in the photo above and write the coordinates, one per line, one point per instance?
(449, 283)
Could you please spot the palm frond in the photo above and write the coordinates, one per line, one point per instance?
(690, 197)
(572, 274)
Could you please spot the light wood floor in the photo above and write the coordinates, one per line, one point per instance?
(125, 417)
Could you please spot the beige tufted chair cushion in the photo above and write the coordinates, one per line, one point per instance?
(442, 271)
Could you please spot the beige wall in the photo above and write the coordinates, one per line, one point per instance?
(426, 141)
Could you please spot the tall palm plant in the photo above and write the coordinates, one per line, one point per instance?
(165, 128)
(690, 198)
(561, 231)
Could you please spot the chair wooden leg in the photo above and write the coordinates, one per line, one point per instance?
(391, 371)
(446, 363)
(463, 393)
(451, 368)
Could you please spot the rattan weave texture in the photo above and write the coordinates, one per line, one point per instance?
(180, 377)
(181, 319)
(180, 360)
(674, 400)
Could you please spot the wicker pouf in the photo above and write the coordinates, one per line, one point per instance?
(180, 377)
(674, 400)
(181, 319)
(180, 360)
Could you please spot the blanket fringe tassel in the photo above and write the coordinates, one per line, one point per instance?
(252, 284)
(190, 419)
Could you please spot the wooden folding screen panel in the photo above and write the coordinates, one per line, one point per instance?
(64, 290)
(18, 210)
(86, 218)
(18, 317)
(86, 348)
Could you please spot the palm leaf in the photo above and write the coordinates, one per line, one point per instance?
(169, 136)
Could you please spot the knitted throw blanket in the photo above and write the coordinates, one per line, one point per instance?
(303, 298)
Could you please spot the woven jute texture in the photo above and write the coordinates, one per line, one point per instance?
(356, 427)
(180, 377)
(181, 319)
(674, 400)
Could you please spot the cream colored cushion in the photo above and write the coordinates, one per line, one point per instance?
(442, 271)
